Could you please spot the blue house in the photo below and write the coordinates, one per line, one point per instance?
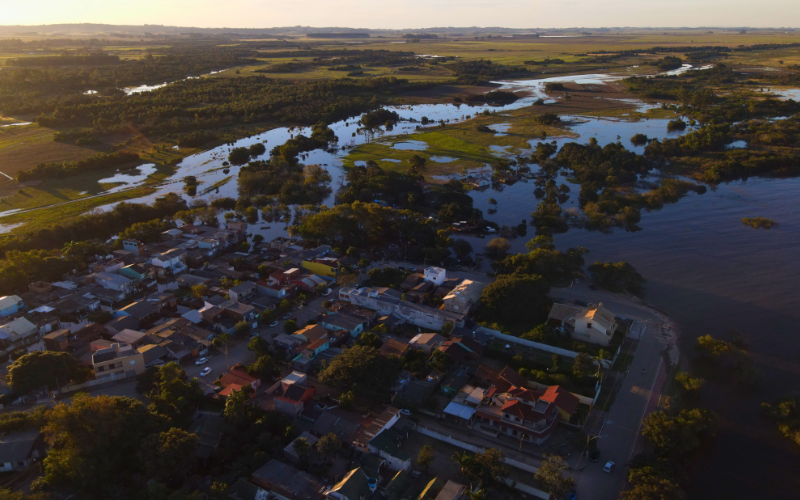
(10, 304)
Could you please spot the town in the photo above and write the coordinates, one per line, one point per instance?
(382, 371)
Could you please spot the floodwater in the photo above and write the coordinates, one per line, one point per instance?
(148, 88)
(706, 269)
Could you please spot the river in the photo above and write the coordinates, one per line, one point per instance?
(706, 269)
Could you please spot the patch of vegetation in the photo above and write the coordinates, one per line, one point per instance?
(758, 222)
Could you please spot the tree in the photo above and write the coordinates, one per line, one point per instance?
(346, 400)
(515, 299)
(327, 304)
(461, 248)
(364, 371)
(441, 361)
(370, 339)
(417, 164)
(484, 467)
(169, 456)
(447, 328)
(550, 477)
(284, 306)
(259, 346)
(241, 329)
(200, 290)
(582, 365)
(328, 445)
(425, 457)
(290, 326)
(677, 435)
(556, 362)
(264, 368)
(267, 316)
(172, 395)
(39, 369)
(497, 248)
(689, 385)
(618, 277)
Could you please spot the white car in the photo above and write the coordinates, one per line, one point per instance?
(609, 466)
(405, 412)
(326, 292)
(205, 371)
(201, 361)
(287, 315)
(273, 324)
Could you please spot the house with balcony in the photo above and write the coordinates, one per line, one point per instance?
(117, 361)
(169, 263)
(518, 413)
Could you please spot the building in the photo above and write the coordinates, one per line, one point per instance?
(566, 402)
(288, 482)
(593, 324)
(117, 361)
(142, 311)
(237, 379)
(518, 413)
(463, 297)
(57, 340)
(10, 304)
(354, 486)
(435, 275)
(170, 263)
(135, 247)
(391, 347)
(452, 491)
(17, 329)
(323, 266)
(289, 451)
(242, 291)
(293, 399)
(344, 322)
(427, 342)
(114, 282)
(20, 450)
(416, 314)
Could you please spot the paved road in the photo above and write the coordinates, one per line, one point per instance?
(619, 434)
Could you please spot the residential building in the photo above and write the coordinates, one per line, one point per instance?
(131, 337)
(17, 329)
(10, 304)
(57, 340)
(452, 491)
(117, 361)
(137, 271)
(427, 342)
(311, 332)
(323, 266)
(519, 413)
(344, 322)
(289, 451)
(593, 324)
(354, 486)
(304, 362)
(435, 275)
(388, 444)
(237, 379)
(463, 297)
(293, 399)
(135, 247)
(308, 282)
(416, 314)
(566, 402)
(142, 311)
(20, 450)
(336, 421)
(114, 282)
(242, 291)
(170, 263)
(393, 347)
(288, 482)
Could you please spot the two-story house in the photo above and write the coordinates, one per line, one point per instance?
(519, 413)
(593, 324)
(10, 304)
(169, 263)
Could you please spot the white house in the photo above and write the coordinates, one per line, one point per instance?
(115, 282)
(16, 330)
(435, 275)
(171, 261)
(593, 324)
(463, 297)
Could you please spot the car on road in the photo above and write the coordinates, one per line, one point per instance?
(205, 371)
(326, 292)
(201, 361)
(287, 315)
(273, 324)
(609, 467)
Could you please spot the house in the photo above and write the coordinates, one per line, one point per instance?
(311, 332)
(304, 361)
(121, 323)
(520, 414)
(287, 482)
(235, 380)
(435, 275)
(452, 491)
(289, 451)
(593, 324)
(20, 450)
(288, 342)
(114, 282)
(242, 291)
(137, 271)
(454, 381)
(293, 399)
(416, 314)
(135, 247)
(344, 322)
(39, 287)
(566, 402)
(142, 311)
(117, 361)
(393, 347)
(208, 428)
(131, 337)
(169, 263)
(152, 354)
(354, 486)
(385, 420)
(16, 329)
(463, 297)
(308, 282)
(171, 234)
(388, 444)
(337, 422)
(427, 342)
(411, 281)
(57, 340)
(462, 349)
(10, 304)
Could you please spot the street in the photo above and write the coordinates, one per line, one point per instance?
(619, 434)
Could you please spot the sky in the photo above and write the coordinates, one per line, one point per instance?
(398, 14)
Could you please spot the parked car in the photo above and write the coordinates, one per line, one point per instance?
(201, 361)
(274, 323)
(287, 315)
(205, 371)
(609, 466)
(405, 412)
(326, 292)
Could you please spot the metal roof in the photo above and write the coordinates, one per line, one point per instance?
(459, 410)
